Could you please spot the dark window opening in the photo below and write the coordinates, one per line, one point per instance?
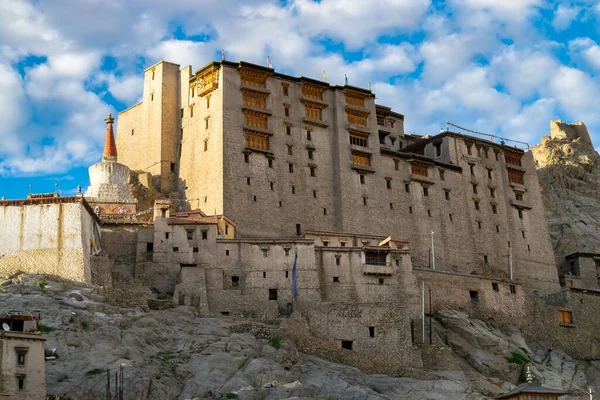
(438, 149)
(310, 154)
(272, 185)
(362, 179)
(391, 206)
(520, 213)
(225, 313)
(286, 274)
(497, 228)
(190, 234)
(248, 181)
(425, 191)
(337, 259)
(324, 211)
(365, 201)
(371, 331)
(472, 169)
(477, 205)
(149, 247)
(182, 299)
(447, 194)
(492, 193)
(308, 135)
(175, 249)
(519, 197)
(21, 380)
(494, 209)
(407, 187)
(313, 171)
(489, 174)
(381, 281)
(204, 235)
(336, 278)
(474, 294)
(226, 252)
(195, 250)
(172, 167)
(287, 111)
(272, 294)
(285, 91)
(485, 259)
(442, 175)
(474, 189)
(388, 183)
(495, 287)
(288, 130)
(291, 167)
(347, 344)
(410, 210)
(264, 274)
(513, 289)
(374, 257)
(166, 235)
(478, 224)
(315, 194)
(246, 158)
(429, 213)
(293, 189)
(450, 215)
(235, 281)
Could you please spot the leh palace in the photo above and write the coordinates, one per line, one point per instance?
(241, 192)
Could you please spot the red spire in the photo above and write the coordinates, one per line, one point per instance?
(110, 148)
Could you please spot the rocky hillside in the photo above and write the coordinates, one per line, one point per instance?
(173, 354)
(569, 173)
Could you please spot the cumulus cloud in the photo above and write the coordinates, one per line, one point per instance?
(588, 50)
(564, 15)
(359, 21)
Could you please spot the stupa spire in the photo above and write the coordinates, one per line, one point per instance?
(110, 148)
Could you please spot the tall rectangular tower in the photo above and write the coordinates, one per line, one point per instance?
(148, 132)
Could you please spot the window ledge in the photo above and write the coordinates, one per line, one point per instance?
(364, 168)
(315, 122)
(265, 111)
(258, 130)
(361, 149)
(567, 325)
(255, 89)
(248, 150)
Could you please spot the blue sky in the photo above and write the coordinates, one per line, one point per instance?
(499, 66)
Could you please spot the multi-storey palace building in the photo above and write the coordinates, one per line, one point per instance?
(281, 155)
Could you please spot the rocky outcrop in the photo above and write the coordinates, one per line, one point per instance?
(569, 174)
(173, 354)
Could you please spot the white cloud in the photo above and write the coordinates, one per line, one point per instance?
(182, 52)
(359, 21)
(564, 16)
(13, 112)
(523, 72)
(587, 49)
(577, 94)
(447, 55)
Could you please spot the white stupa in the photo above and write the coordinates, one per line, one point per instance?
(109, 192)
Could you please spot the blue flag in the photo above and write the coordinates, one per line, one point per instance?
(294, 275)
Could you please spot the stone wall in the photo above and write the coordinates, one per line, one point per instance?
(579, 338)
(52, 239)
(486, 299)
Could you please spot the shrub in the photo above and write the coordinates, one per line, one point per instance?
(94, 372)
(230, 396)
(517, 358)
(42, 284)
(85, 325)
(45, 328)
(62, 377)
(276, 341)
